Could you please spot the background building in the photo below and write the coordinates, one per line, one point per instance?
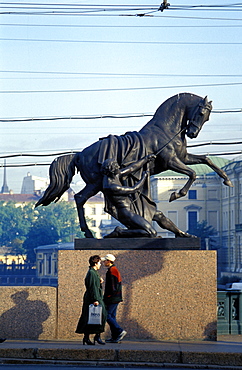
(32, 184)
(201, 203)
(231, 219)
(207, 200)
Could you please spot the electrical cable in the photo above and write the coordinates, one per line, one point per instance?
(77, 151)
(206, 43)
(103, 116)
(118, 89)
(48, 164)
(116, 26)
(110, 74)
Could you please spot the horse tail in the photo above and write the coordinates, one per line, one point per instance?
(61, 172)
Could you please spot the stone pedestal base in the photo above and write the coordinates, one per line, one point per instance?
(138, 243)
(168, 294)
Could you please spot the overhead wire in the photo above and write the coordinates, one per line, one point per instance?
(206, 43)
(117, 26)
(48, 163)
(55, 118)
(118, 89)
(110, 74)
(110, 10)
(119, 7)
(102, 116)
(210, 143)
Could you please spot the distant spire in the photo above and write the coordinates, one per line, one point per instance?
(5, 188)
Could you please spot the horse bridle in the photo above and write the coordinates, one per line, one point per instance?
(184, 128)
(200, 106)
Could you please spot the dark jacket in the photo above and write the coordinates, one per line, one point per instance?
(93, 293)
(113, 286)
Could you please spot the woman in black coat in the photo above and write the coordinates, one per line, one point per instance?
(93, 295)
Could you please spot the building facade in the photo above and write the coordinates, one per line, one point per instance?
(207, 200)
(231, 219)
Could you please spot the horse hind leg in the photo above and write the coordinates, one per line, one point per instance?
(80, 198)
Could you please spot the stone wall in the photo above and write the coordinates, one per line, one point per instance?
(28, 312)
(167, 294)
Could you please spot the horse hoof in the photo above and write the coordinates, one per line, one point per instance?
(173, 197)
(228, 183)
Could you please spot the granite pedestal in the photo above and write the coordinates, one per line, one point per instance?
(168, 293)
(28, 312)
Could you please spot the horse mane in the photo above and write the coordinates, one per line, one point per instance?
(176, 99)
(170, 105)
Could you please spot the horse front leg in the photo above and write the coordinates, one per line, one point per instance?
(80, 198)
(203, 159)
(178, 166)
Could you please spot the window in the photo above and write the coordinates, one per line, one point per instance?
(40, 268)
(192, 220)
(93, 223)
(93, 211)
(55, 268)
(192, 194)
(49, 265)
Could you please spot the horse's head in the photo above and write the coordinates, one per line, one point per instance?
(197, 117)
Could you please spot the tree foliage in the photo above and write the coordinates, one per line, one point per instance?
(15, 223)
(203, 231)
(23, 228)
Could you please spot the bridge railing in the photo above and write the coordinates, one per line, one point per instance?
(229, 312)
(18, 269)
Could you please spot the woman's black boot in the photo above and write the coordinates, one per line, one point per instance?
(87, 341)
(98, 339)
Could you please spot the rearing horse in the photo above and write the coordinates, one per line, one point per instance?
(164, 135)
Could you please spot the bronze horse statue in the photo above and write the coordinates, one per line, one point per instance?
(164, 135)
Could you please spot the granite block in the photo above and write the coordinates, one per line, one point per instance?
(82, 354)
(167, 294)
(17, 353)
(28, 312)
(149, 356)
(212, 358)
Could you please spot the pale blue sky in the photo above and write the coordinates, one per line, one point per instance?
(100, 51)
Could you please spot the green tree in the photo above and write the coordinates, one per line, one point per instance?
(63, 216)
(56, 223)
(15, 223)
(23, 228)
(203, 231)
(42, 232)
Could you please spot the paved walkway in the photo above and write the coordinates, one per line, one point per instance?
(225, 353)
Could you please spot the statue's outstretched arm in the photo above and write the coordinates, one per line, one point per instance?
(137, 165)
(117, 189)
